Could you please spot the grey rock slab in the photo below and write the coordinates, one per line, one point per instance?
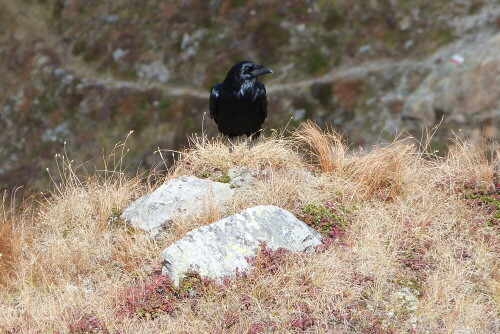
(463, 91)
(187, 196)
(216, 250)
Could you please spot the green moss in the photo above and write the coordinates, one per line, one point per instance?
(409, 283)
(224, 178)
(324, 217)
(114, 216)
(486, 199)
(65, 232)
(204, 174)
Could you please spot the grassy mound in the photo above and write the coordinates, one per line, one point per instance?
(411, 245)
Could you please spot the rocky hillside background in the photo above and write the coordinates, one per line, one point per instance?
(81, 74)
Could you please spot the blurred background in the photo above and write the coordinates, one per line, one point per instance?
(86, 72)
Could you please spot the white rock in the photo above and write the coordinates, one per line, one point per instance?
(216, 250)
(113, 18)
(185, 41)
(119, 53)
(188, 196)
(405, 23)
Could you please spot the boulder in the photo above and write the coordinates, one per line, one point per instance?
(187, 196)
(464, 90)
(216, 250)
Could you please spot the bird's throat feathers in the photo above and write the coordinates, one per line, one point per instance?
(240, 89)
(247, 88)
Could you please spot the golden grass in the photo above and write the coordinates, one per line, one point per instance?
(386, 171)
(207, 155)
(473, 162)
(416, 255)
(326, 148)
(9, 249)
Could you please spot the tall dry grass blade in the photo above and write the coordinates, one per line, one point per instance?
(15, 231)
(8, 241)
(473, 162)
(326, 148)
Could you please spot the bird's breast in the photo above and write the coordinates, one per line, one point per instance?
(246, 90)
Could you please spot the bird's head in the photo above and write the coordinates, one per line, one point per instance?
(245, 71)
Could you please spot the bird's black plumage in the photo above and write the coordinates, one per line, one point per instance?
(239, 104)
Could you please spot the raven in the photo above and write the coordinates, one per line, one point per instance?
(238, 105)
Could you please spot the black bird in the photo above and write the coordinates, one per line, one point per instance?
(239, 104)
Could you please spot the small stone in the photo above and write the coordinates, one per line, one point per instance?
(42, 60)
(118, 54)
(299, 114)
(113, 18)
(405, 23)
(364, 48)
(185, 41)
(59, 72)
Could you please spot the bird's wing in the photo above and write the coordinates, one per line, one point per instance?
(262, 99)
(214, 96)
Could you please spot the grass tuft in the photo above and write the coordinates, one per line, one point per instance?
(326, 148)
(213, 155)
(386, 171)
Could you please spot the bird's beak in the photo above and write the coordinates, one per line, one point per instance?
(259, 70)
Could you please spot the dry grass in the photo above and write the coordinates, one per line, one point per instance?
(206, 155)
(387, 171)
(9, 248)
(476, 163)
(417, 255)
(326, 148)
